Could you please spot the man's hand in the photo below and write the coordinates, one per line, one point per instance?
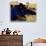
(39, 40)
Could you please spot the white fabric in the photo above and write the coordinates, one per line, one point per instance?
(39, 44)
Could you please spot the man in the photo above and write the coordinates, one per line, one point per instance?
(25, 11)
(13, 13)
(8, 31)
(19, 12)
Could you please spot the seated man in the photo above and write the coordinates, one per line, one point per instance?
(8, 31)
(25, 11)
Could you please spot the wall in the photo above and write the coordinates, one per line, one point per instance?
(30, 30)
(11, 40)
